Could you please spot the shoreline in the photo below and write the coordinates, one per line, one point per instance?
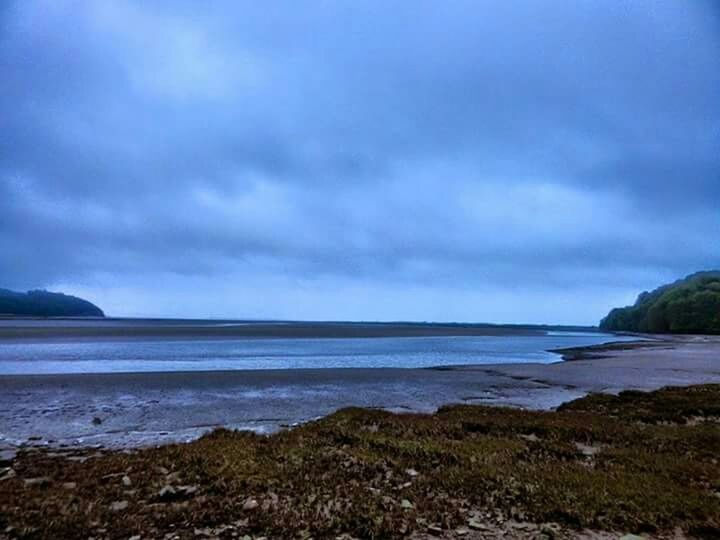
(605, 350)
(122, 410)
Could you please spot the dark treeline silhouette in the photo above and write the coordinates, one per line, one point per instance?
(688, 306)
(46, 304)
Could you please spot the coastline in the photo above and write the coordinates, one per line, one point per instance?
(644, 341)
(123, 410)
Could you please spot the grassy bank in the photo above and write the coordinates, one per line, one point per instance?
(642, 463)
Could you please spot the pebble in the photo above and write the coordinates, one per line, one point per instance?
(118, 506)
(167, 492)
(42, 481)
(435, 530)
(7, 456)
(406, 504)
(126, 481)
(250, 504)
(69, 485)
(476, 525)
(172, 477)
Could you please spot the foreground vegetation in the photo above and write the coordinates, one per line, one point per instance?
(637, 462)
(688, 306)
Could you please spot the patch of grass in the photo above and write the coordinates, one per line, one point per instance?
(678, 404)
(642, 462)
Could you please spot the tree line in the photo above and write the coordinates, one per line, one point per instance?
(45, 304)
(688, 306)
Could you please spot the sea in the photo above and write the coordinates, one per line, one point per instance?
(43, 357)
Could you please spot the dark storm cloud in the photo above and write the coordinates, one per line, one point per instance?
(359, 146)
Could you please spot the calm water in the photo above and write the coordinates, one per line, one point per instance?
(253, 354)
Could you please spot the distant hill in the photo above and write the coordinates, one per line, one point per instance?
(688, 306)
(45, 304)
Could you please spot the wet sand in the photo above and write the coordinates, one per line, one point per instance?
(120, 410)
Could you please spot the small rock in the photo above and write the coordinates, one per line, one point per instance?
(118, 506)
(589, 450)
(162, 470)
(407, 505)
(172, 478)
(435, 530)
(462, 531)
(136, 537)
(411, 472)
(167, 493)
(187, 491)
(6, 457)
(96, 421)
(250, 504)
(69, 485)
(476, 525)
(126, 481)
(42, 481)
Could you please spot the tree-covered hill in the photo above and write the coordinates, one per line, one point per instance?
(46, 304)
(688, 306)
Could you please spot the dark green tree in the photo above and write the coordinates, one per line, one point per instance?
(688, 306)
(45, 304)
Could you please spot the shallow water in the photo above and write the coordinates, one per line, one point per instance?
(103, 356)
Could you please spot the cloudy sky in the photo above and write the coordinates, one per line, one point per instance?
(528, 161)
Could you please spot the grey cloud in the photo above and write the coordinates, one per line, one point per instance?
(414, 144)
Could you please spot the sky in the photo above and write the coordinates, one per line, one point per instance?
(487, 161)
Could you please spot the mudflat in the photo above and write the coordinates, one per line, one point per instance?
(136, 409)
(127, 329)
